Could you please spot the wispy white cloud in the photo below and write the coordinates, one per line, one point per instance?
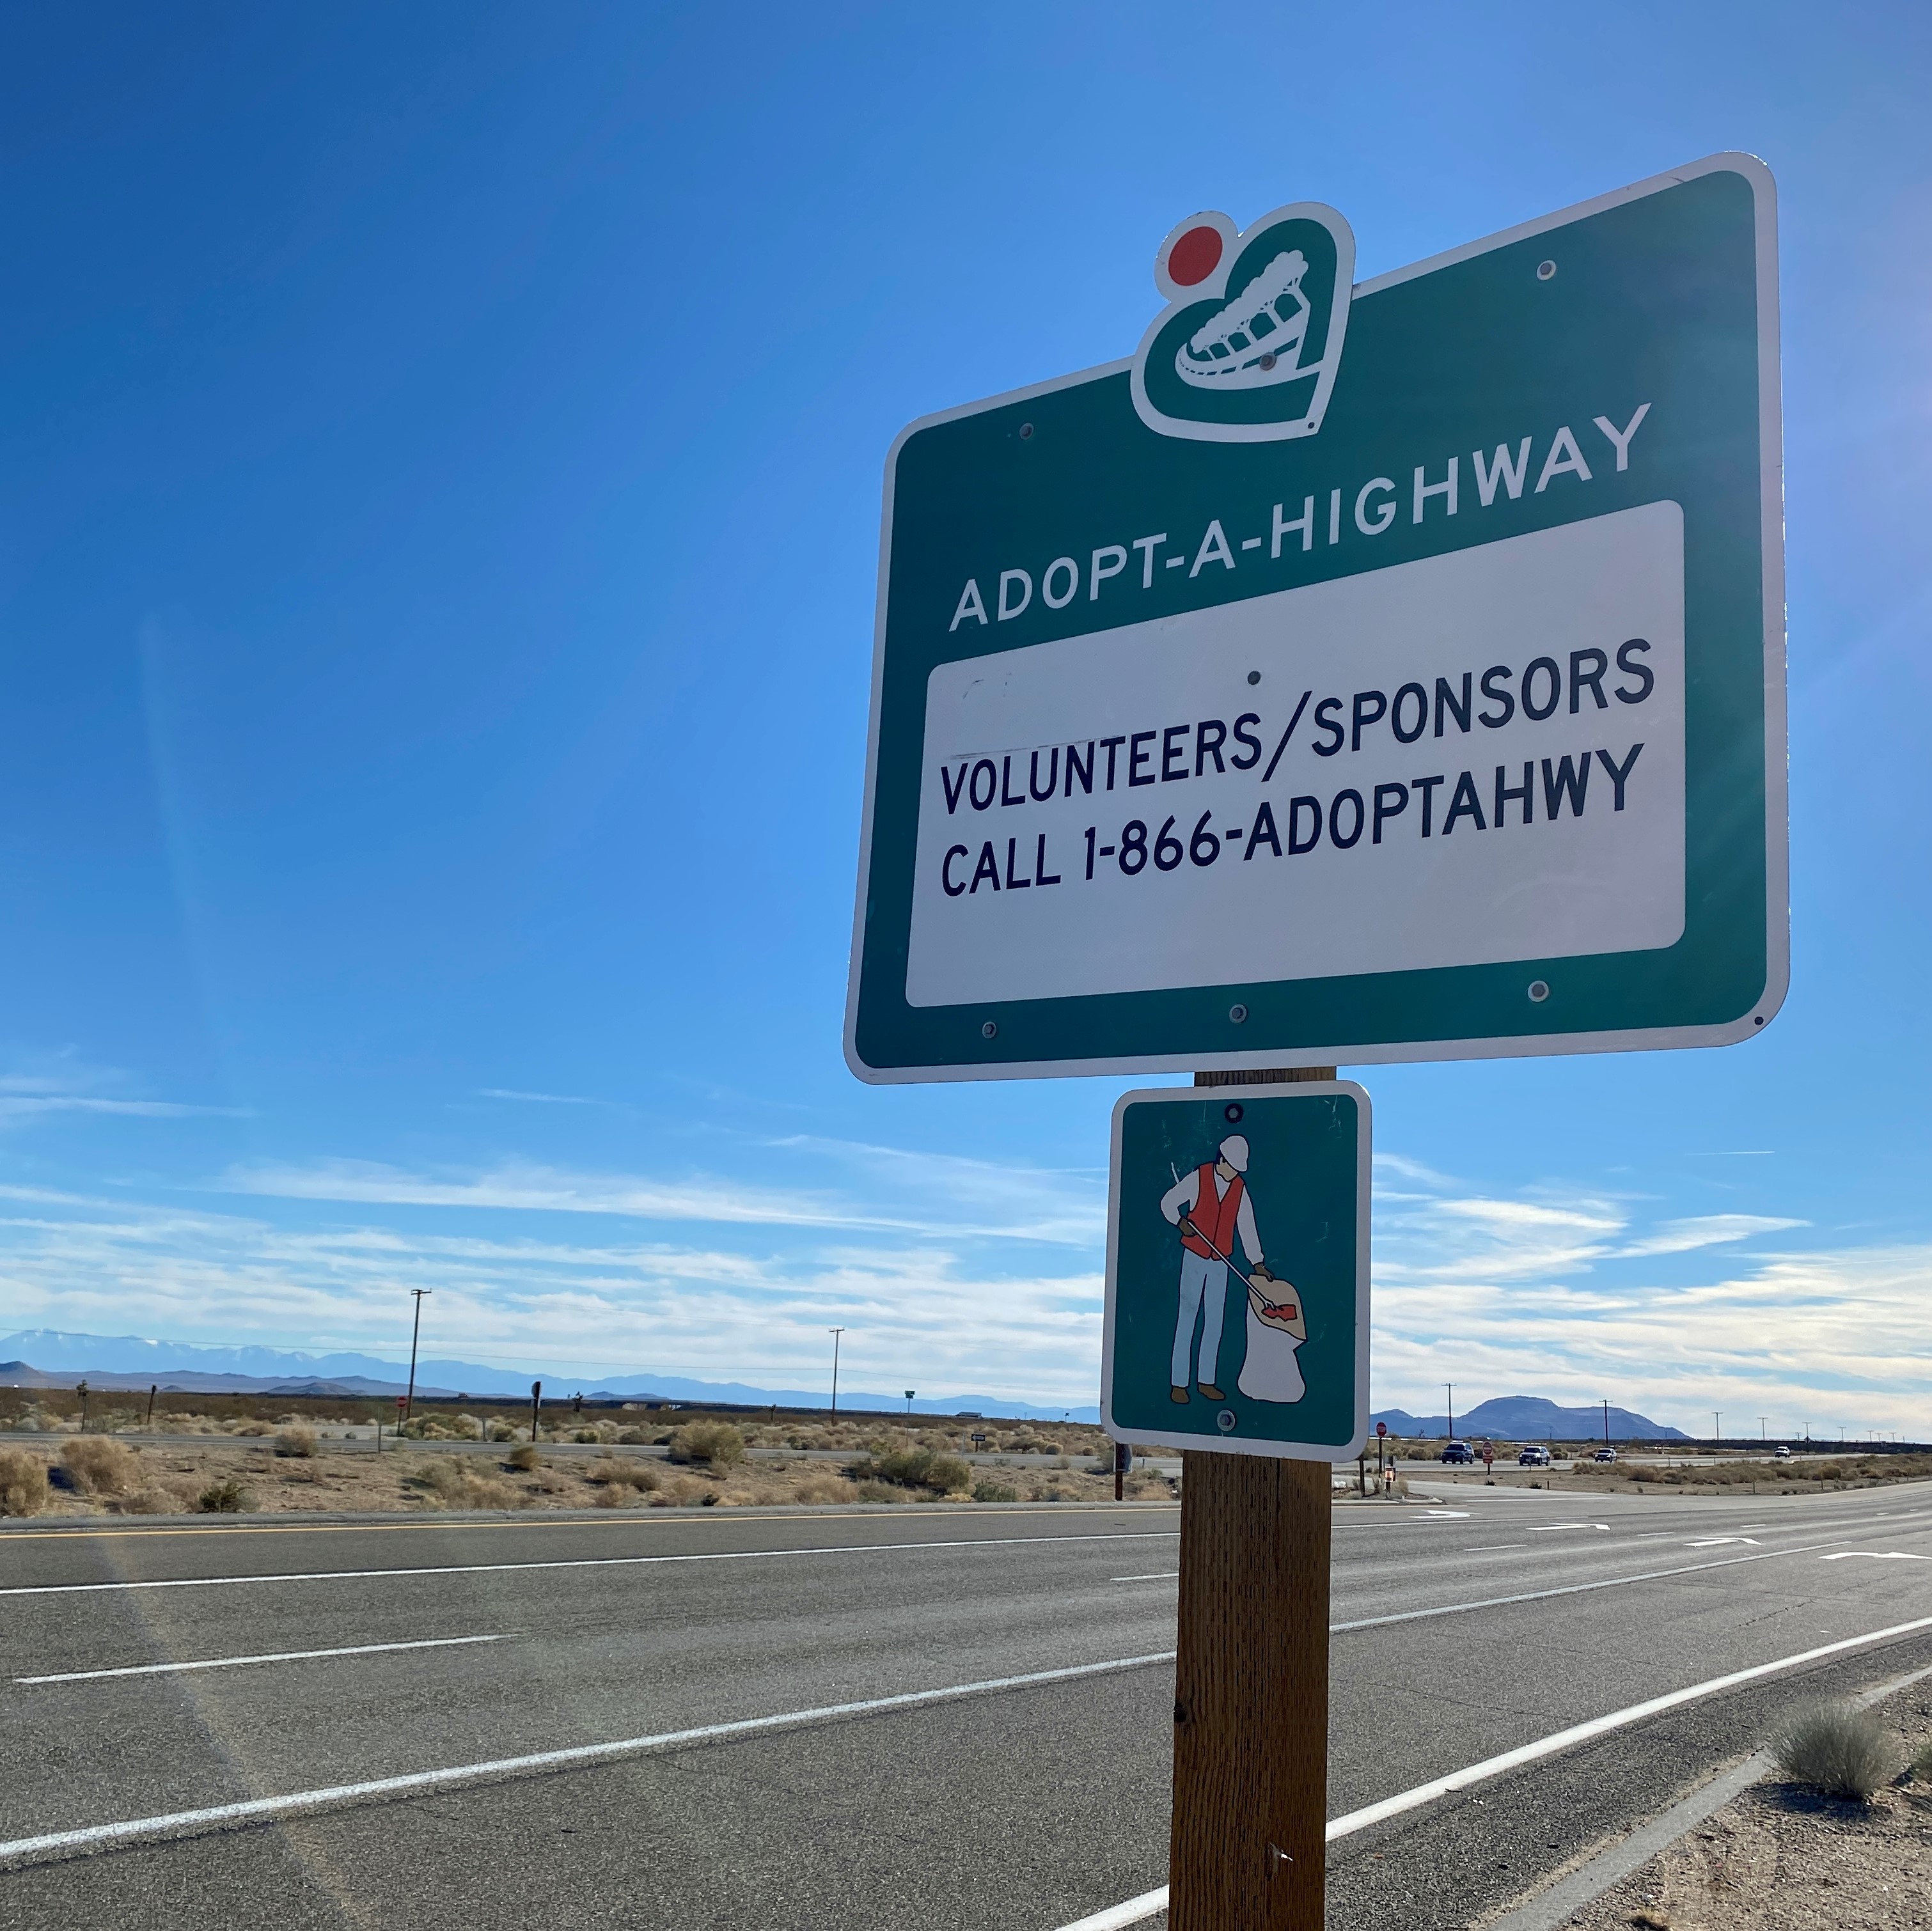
(544, 1098)
(916, 1317)
(14, 1106)
(1708, 1230)
(937, 1202)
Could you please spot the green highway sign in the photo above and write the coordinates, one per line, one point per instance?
(1237, 1270)
(1354, 673)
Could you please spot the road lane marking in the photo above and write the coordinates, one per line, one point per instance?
(292, 1802)
(1550, 1529)
(1718, 1542)
(1157, 1576)
(1874, 1555)
(236, 1661)
(1566, 1589)
(1495, 1548)
(1446, 1515)
(582, 1562)
(1136, 1909)
(562, 1519)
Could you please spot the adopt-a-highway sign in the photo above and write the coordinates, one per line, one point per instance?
(1354, 673)
(1237, 1270)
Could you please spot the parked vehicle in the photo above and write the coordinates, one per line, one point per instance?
(1533, 1456)
(1604, 1455)
(1458, 1451)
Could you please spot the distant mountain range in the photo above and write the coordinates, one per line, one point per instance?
(1529, 1418)
(127, 1362)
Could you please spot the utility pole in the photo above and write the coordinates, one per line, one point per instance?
(151, 1393)
(416, 1331)
(1717, 1426)
(1763, 1424)
(536, 1409)
(1451, 1386)
(1606, 1423)
(834, 1332)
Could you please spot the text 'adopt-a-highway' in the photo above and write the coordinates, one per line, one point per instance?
(898, 1716)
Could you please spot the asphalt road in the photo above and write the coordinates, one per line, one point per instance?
(1027, 1806)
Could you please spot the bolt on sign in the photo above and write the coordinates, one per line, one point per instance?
(1359, 673)
(1237, 1270)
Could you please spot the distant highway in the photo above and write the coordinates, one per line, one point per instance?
(929, 1715)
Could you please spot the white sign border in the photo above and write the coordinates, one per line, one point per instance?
(1777, 866)
(1280, 1451)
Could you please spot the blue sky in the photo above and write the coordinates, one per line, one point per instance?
(439, 506)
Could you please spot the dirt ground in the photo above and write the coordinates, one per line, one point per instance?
(217, 1474)
(1734, 1479)
(1782, 1858)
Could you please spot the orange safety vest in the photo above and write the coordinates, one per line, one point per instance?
(1213, 1214)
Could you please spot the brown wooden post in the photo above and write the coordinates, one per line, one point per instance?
(1247, 1851)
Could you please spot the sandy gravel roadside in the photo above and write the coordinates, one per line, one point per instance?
(1780, 1857)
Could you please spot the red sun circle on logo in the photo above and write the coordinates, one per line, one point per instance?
(1194, 257)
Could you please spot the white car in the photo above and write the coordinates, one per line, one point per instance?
(1781, 1453)
(1604, 1455)
(1533, 1456)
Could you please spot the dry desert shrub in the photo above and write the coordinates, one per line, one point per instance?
(23, 1482)
(226, 1497)
(715, 1444)
(298, 1443)
(1835, 1748)
(525, 1458)
(915, 1468)
(448, 1483)
(101, 1466)
(994, 1492)
(618, 1472)
(821, 1489)
(156, 1500)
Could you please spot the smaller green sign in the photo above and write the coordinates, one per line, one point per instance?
(1237, 1270)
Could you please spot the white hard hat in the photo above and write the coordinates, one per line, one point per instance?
(1234, 1151)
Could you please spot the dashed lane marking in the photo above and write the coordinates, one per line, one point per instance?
(237, 1662)
(582, 1562)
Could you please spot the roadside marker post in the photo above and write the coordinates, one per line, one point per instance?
(1252, 1189)
(1355, 674)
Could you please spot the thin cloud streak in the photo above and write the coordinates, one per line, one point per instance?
(698, 1198)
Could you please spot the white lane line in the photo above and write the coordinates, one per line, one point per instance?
(1137, 1908)
(236, 1661)
(1567, 1589)
(580, 1562)
(1874, 1555)
(1495, 1548)
(293, 1801)
(1156, 1576)
(1550, 1529)
(1718, 1541)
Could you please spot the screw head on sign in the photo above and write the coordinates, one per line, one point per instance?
(1238, 1013)
(990, 1030)
(1231, 1113)
(1539, 990)
(1546, 271)
(1026, 431)
(1254, 676)
(1225, 1421)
